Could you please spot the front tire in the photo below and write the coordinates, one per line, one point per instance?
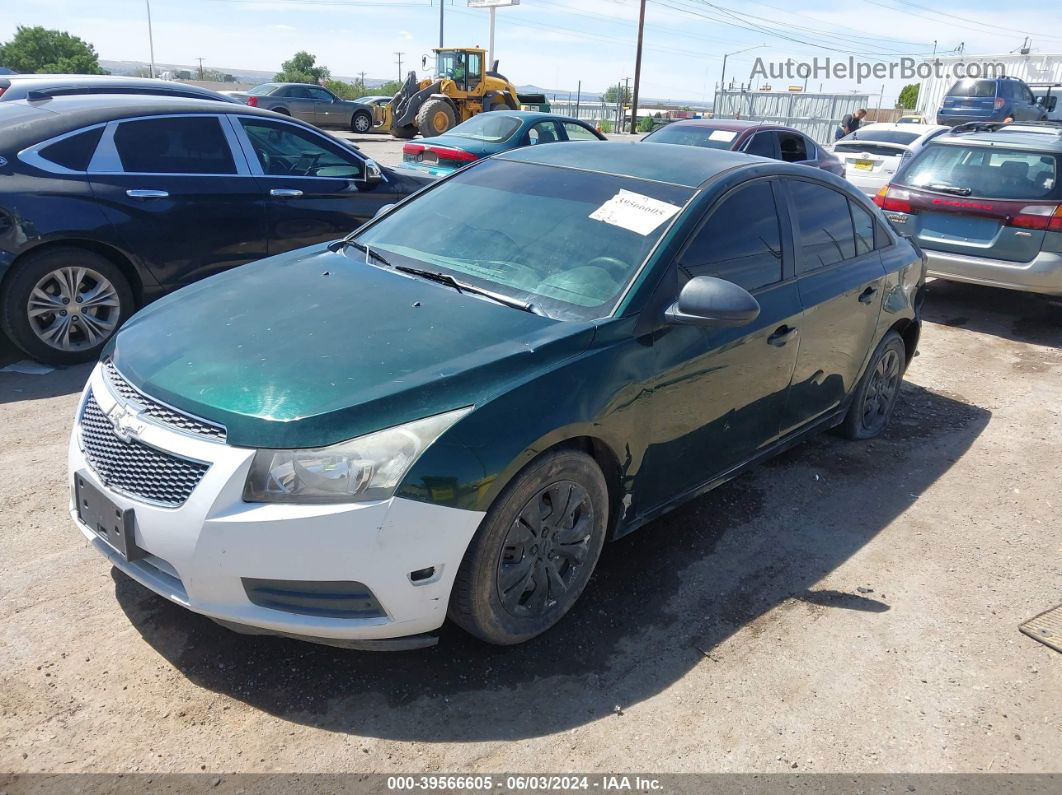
(535, 550)
(61, 305)
(877, 391)
(435, 117)
(405, 133)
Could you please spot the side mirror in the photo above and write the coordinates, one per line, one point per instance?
(708, 301)
(383, 210)
(424, 62)
(373, 174)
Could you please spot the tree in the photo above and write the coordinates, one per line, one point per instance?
(645, 123)
(302, 69)
(613, 94)
(44, 51)
(391, 87)
(908, 96)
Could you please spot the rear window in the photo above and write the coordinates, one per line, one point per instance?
(75, 151)
(973, 88)
(989, 173)
(693, 136)
(492, 127)
(882, 136)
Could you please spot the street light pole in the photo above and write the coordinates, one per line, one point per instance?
(151, 40)
(442, 4)
(722, 79)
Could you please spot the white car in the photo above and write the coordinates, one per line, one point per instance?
(872, 153)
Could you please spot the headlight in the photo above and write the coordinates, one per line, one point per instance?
(367, 468)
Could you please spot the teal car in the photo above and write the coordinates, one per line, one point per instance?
(489, 134)
(450, 411)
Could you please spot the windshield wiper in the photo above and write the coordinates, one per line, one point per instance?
(462, 287)
(336, 246)
(948, 189)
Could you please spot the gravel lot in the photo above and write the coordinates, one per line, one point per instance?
(849, 607)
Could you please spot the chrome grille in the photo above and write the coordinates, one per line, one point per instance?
(134, 468)
(160, 413)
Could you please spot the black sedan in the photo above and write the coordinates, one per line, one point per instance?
(107, 202)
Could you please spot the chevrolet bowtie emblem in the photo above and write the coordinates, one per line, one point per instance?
(126, 421)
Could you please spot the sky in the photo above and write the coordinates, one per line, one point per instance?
(554, 43)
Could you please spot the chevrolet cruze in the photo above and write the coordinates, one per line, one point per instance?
(449, 412)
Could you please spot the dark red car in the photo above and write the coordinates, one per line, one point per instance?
(753, 138)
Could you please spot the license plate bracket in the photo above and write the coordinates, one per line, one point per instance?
(114, 525)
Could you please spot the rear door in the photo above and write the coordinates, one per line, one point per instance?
(298, 101)
(544, 132)
(763, 144)
(841, 281)
(179, 195)
(720, 392)
(315, 188)
(795, 148)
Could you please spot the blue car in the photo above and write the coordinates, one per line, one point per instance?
(489, 133)
(989, 100)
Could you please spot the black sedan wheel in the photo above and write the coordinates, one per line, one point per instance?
(535, 550)
(361, 123)
(876, 394)
(63, 304)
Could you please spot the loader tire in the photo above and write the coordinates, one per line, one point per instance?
(409, 131)
(435, 117)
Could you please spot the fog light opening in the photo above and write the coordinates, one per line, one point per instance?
(423, 576)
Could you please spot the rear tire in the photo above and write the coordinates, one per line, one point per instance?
(282, 112)
(518, 580)
(361, 123)
(435, 117)
(877, 391)
(62, 304)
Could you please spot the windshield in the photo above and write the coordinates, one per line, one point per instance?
(527, 231)
(884, 136)
(987, 173)
(263, 90)
(973, 88)
(492, 127)
(450, 63)
(693, 135)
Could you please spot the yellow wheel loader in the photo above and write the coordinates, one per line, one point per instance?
(460, 88)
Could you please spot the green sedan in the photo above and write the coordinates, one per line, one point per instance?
(449, 412)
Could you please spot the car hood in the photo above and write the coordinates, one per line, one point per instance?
(313, 347)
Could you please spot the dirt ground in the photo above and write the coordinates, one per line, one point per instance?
(849, 607)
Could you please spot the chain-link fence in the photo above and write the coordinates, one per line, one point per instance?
(817, 115)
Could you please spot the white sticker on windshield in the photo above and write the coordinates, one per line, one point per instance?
(634, 211)
(722, 135)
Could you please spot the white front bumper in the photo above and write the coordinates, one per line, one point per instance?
(200, 552)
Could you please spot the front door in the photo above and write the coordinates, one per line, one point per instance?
(719, 393)
(317, 189)
(841, 281)
(178, 196)
(329, 110)
(301, 105)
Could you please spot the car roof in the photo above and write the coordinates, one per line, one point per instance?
(24, 122)
(688, 166)
(728, 124)
(1047, 140)
(882, 125)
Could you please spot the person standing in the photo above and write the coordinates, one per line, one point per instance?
(852, 121)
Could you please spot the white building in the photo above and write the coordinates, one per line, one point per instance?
(1033, 68)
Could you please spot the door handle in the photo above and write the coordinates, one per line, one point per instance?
(781, 336)
(285, 193)
(140, 193)
(867, 295)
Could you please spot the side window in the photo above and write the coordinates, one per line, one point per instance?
(319, 94)
(175, 145)
(545, 132)
(577, 132)
(75, 151)
(825, 225)
(761, 144)
(793, 148)
(864, 229)
(1029, 96)
(285, 150)
(297, 92)
(741, 242)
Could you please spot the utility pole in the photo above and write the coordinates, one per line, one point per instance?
(442, 4)
(200, 68)
(399, 54)
(578, 98)
(637, 70)
(151, 40)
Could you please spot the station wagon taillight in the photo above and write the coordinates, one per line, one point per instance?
(896, 200)
(1042, 217)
